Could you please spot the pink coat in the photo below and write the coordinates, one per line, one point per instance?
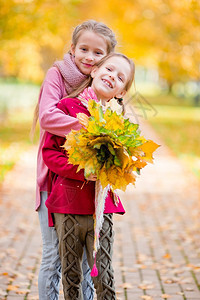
(52, 119)
(70, 192)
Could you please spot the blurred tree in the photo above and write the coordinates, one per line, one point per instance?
(161, 33)
(33, 34)
(157, 33)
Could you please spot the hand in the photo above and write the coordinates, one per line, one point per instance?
(92, 177)
(83, 119)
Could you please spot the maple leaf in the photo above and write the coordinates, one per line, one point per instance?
(95, 110)
(114, 123)
(148, 148)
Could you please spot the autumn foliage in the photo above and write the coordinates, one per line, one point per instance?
(156, 33)
(110, 147)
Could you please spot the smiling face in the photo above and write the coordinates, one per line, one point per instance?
(89, 49)
(110, 79)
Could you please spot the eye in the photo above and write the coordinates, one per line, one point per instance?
(83, 49)
(99, 53)
(120, 78)
(109, 69)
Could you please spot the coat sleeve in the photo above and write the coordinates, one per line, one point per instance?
(51, 118)
(56, 159)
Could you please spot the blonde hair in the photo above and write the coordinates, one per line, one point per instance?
(91, 25)
(98, 28)
(88, 81)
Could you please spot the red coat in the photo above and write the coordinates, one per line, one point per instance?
(70, 193)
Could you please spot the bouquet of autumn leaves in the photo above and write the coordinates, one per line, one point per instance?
(110, 146)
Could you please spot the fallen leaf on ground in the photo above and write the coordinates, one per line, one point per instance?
(11, 287)
(126, 285)
(146, 297)
(167, 256)
(23, 292)
(146, 285)
(189, 289)
(165, 296)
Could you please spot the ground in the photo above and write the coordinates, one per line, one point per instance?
(157, 242)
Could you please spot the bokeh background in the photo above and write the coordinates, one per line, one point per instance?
(161, 36)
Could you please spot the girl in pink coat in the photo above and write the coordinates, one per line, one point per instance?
(71, 201)
(91, 41)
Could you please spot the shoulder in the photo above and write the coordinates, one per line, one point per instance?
(72, 104)
(53, 74)
(66, 103)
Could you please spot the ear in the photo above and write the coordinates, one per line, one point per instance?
(72, 49)
(93, 72)
(121, 94)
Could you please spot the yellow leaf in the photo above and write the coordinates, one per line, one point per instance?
(115, 122)
(148, 148)
(124, 158)
(93, 108)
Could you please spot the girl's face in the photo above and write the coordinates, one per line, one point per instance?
(110, 79)
(89, 49)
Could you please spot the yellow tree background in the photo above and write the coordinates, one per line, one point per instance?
(164, 34)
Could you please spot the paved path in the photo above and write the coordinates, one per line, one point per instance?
(157, 242)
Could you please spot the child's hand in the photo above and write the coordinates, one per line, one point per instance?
(83, 119)
(92, 177)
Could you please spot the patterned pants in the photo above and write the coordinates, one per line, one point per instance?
(75, 232)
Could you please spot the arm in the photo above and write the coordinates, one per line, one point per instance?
(51, 118)
(57, 161)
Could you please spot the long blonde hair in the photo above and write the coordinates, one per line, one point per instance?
(98, 28)
(91, 25)
(88, 81)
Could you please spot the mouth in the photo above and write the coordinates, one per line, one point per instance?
(87, 65)
(108, 83)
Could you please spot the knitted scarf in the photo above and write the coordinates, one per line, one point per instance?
(71, 74)
(100, 193)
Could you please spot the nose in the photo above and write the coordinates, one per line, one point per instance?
(112, 76)
(89, 57)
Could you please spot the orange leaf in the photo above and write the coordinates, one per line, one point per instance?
(167, 256)
(11, 287)
(164, 296)
(148, 148)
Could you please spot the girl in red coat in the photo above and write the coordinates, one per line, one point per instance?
(71, 200)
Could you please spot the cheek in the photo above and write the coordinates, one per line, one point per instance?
(77, 58)
(98, 58)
